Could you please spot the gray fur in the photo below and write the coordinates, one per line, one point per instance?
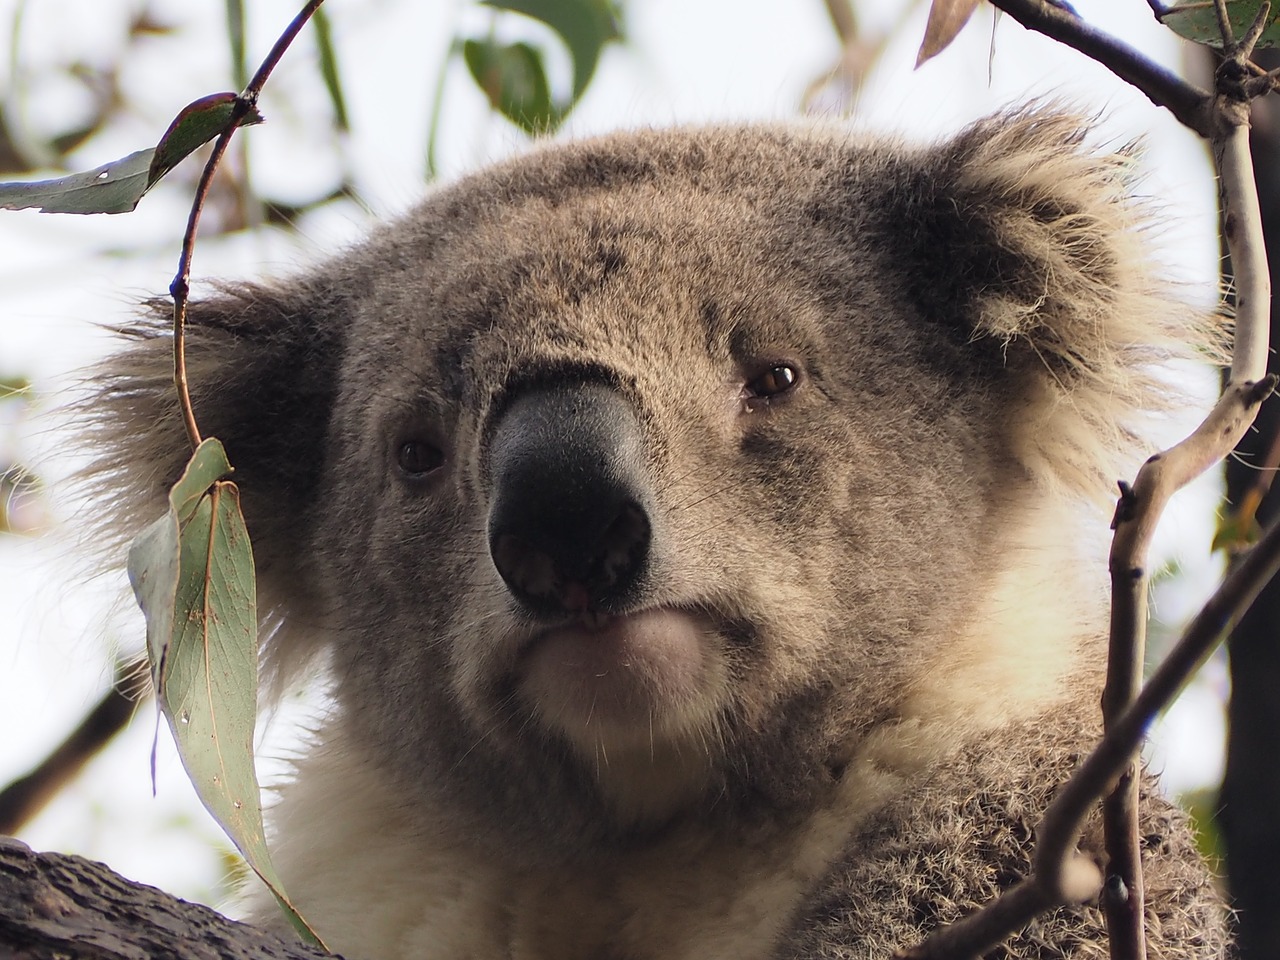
(882, 564)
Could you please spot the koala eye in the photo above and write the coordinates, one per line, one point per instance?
(417, 458)
(776, 380)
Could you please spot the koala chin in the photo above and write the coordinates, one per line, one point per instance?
(699, 528)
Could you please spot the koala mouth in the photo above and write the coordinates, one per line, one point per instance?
(616, 682)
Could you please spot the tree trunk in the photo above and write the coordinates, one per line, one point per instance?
(1250, 801)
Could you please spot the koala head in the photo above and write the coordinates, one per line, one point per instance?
(646, 478)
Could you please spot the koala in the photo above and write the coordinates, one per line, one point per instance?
(695, 526)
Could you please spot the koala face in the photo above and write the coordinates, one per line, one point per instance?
(615, 499)
(642, 480)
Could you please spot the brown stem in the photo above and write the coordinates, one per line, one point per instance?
(180, 288)
(1191, 105)
(26, 796)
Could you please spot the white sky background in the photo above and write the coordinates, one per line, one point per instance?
(687, 60)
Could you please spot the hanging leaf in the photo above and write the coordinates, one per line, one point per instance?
(117, 187)
(584, 25)
(192, 573)
(1196, 20)
(513, 78)
(946, 19)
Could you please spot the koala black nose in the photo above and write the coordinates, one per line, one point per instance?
(568, 528)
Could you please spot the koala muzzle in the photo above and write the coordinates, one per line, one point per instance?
(569, 529)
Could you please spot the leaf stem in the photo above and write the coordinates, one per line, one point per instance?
(180, 288)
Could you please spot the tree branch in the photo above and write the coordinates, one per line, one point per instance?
(1191, 105)
(53, 905)
(1050, 884)
(26, 796)
(1059, 875)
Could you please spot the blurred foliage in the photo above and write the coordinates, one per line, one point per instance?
(22, 503)
(513, 75)
(1202, 807)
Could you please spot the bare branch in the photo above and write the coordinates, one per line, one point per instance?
(1058, 875)
(1242, 229)
(1191, 105)
(180, 288)
(1051, 884)
(26, 796)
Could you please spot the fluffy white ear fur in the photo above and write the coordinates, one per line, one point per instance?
(1091, 310)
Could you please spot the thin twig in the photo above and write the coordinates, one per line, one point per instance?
(180, 288)
(1191, 105)
(1141, 506)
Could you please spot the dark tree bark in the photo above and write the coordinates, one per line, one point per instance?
(58, 906)
(1250, 801)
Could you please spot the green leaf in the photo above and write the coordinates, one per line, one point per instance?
(1237, 531)
(192, 573)
(1196, 20)
(114, 187)
(584, 25)
(196, 124)
(329, 69)
(513, 78)
(117, 187)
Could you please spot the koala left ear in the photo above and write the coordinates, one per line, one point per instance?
(1030, 246)
(263, 364)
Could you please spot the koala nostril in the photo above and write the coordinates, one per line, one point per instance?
(568, 530)
(582, 574)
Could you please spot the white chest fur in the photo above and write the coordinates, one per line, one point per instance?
(382, 879)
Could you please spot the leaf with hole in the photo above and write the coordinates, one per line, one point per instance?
(1196, 20)
(117, 187)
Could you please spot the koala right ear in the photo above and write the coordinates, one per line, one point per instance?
(1025, 248)
(262, 365)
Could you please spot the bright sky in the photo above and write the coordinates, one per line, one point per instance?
(687, 60)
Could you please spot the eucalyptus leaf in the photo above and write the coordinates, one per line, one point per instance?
(1196, 20)
(584, 25)
(114, 187)
(117, 187)
(196, 124)
(192, 573)
(513, 78)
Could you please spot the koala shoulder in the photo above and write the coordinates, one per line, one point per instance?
(954, 844)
